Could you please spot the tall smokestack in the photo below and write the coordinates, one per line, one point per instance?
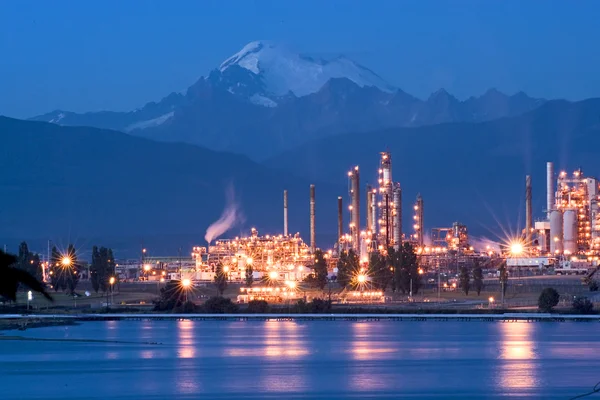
(313, 232)
(355, 190)
(340, 220)
(285, 213)
(369, 225)
(397, 212)
(549, 187)
(419, 227)
(528, 213)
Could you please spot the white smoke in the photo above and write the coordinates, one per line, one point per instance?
(481, 244)
(231, 214)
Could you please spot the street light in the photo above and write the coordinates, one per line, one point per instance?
(516, 248)
(491, 301)
(66, 261)
(112, 282)
(186, 283)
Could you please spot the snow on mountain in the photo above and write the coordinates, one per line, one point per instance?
(283, 71)
(150, 123)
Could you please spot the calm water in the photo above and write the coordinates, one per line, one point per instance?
(289, 360)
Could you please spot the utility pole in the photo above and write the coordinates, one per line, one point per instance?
(180, 274)
(439, 279)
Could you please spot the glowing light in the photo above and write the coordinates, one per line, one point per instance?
(112, 280)
(361, 278)
(516, 248)
(66, 261)
(491, 299)
(273, 275)
(186, 283)
(147, 267)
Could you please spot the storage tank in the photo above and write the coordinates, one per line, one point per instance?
(556, 232)
(570, 231)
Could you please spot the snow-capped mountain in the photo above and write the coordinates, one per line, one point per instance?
(283, 72)
(267, 98)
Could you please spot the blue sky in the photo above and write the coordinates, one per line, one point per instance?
(88, 55)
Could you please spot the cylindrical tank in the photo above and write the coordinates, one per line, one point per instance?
(570, 231)
(556, 232)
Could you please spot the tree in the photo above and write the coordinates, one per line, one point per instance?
(29, 262)
(11, 277)
(477, 277)
(394, 260)
(64, 269)
(257, 307)
(219, 305)
(220, 279)
(171, 297)
(249, 275)
(503, 277)
(95, 269)
(103, 269)
(409, 270)
(465, 280)
(379, 270)
(548, 299)
(319, 270)
(583, 305)
(348, 266)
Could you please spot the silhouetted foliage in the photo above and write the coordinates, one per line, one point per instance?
(172, 296)
(503, 276)
(319, 274)
(380, 271)
(220, 279)
(249, 275)
(465, 280)
(348, 266)
(548, 299)
(257, 306)
(11, 277)
(583, 305)
(593, 286)
(316, 306)
(30, 262)
(64, 269)
(477, 278)
(409, 270)
(219, 305)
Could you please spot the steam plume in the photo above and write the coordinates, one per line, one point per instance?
(231, 214)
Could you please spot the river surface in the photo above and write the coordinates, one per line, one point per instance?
(301, 360)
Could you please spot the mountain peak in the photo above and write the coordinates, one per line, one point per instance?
(283, 70)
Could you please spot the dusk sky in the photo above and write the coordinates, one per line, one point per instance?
(118, 55)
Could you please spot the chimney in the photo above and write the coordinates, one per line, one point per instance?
(355, 187)
(397, 216)
(528, 213)
(369, 226)
(312, 219)
(285, 213)
(549, 188)
(340, 220)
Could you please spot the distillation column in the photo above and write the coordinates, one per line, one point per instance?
(285, 213)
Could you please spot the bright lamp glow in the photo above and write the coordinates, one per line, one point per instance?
(186, 283)
(516, 248)
(273, 275)
(361, 278)
(66, 261)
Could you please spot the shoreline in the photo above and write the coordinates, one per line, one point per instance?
(13, 321)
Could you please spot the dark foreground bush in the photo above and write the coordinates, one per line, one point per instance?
(257, 307)
(219, 305)
(316, 306)
(583, 305)
(548, 299)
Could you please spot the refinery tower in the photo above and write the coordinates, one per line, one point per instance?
(573, 223)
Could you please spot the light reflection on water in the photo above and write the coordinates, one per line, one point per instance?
(518, 352)
(288, 359)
